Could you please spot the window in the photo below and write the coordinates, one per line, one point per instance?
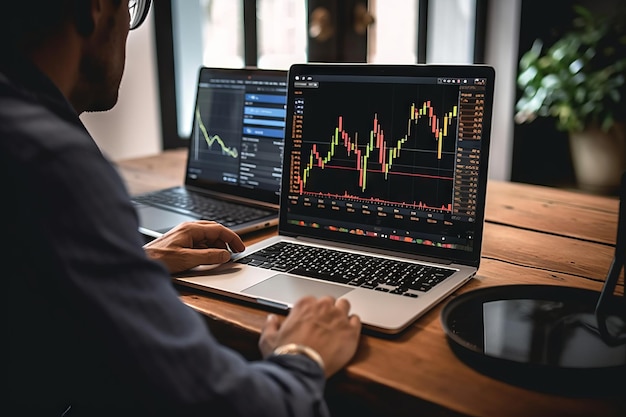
(276, 33)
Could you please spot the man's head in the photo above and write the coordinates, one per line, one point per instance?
(79, 44)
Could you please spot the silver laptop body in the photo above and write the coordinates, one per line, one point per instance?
(233, 169)
(388, 161)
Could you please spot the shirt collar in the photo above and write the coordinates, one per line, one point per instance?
(28, 79)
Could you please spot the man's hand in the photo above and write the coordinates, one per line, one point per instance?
(321, 324)
(194, 243)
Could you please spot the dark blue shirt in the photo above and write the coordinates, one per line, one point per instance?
(92, 325)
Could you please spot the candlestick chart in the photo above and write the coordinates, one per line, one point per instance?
(399, 151)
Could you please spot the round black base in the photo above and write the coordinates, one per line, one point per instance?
(541, 337)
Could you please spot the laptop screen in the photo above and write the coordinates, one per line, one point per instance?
(392, 157)
(236, 142)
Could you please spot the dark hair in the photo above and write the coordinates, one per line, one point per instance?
(25, 24)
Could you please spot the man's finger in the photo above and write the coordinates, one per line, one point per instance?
(213, 256)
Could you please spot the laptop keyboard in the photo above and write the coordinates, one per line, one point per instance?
(182, 201)
(380, 274)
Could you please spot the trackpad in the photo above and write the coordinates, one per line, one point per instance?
(289, 289)
(159, 220)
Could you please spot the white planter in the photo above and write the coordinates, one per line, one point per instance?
(599, 158)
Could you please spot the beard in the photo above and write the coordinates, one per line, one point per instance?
(101, 68)
(101, 78)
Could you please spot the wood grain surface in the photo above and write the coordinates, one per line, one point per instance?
(533, 235)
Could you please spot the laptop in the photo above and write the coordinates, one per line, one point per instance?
(233, 169)
(384, 178)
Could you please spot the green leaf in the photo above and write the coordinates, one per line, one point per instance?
(550, 81)
(581, 78)
(527, 76)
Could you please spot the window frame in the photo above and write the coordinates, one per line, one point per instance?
(165, 55)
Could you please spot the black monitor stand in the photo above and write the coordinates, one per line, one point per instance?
(544, 337)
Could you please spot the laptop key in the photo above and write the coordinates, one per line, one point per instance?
(387, 275)
(311, 273)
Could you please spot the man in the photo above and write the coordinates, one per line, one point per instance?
(92, 321)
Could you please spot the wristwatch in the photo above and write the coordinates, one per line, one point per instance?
(297, 349)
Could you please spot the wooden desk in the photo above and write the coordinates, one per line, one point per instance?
(533, 235)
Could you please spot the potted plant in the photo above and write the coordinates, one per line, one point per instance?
(580, 81)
